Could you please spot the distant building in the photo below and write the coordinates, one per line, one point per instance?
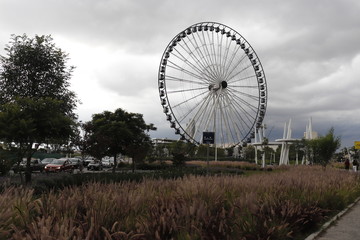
(162, 141)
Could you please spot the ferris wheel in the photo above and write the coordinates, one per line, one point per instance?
(211, 80)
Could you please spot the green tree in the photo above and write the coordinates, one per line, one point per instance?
(119, 132)
(323, 148)
(36, 105)
(182, 151)
(249, 153)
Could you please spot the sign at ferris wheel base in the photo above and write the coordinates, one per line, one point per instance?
(357, 144)
(208, 137)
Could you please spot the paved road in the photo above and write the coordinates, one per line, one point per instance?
(345, 228)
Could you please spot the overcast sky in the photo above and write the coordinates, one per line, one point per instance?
(309, 49)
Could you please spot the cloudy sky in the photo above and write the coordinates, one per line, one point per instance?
(310, 51)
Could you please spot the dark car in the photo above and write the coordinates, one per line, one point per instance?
(76, 162)
(35, 165)
(59, 165)
(95, 166)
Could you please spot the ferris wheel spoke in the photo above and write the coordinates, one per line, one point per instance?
(185, 71)
(231, 120)
(212, 111)
(211, 57)
(191, 110)
(242, 79)
(188, 63)
(236, 66)
(219, 51)
(213, 51)
(200, 112)
(238, 99)
(235, 117)
(191, 53)
(203, 115)
(243, 86)
(227, 68)
(190, 99)
(225, 124)
(239, 72)
(253, 97)
(198, 49)
(215, 48)
(207, 64)
(246, 113)
(177, 79)
(185, 90)
(226, 54)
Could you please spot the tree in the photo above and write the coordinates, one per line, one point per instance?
(249, 153)
(323, 148)
(119, 132)
(36, 105)
(181, 151)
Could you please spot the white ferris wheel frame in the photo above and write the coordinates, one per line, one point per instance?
(211, 79)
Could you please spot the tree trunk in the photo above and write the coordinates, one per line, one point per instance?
(28, 170)
(133, 164)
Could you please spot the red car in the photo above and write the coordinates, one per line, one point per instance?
(59, 165)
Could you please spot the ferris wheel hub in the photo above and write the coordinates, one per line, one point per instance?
(215, 87)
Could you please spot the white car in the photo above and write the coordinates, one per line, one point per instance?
(107, 163)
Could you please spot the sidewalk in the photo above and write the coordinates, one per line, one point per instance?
(344, 226)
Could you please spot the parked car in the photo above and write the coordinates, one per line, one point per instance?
(95, 166)
(35, 165)
(76, 162)
(59, 165)
(87, 161)
(46, 161)
(107, 163)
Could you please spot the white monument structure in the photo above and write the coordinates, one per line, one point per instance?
(285, 142)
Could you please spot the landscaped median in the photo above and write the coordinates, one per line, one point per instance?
(282, 205)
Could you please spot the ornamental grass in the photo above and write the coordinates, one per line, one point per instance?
(281, 205)
(226, 164)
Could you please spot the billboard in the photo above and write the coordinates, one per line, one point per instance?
(357, 144)
(208, 137)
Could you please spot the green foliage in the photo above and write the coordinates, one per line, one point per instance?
(202, 151)
(36, 105)
(249, 153)
(323, 148)
(186, 148)
(35, 68)
(179, 159)
(119, 132)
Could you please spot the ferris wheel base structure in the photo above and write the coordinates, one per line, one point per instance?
(210, 79)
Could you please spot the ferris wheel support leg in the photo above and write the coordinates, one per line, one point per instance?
(263, 160)
(215, 152)
(256, 159)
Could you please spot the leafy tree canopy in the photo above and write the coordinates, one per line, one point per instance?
(118, 132)
(323, 148)
(36, 105)
(35, 68)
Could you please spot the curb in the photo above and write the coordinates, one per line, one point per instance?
(314, 235)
